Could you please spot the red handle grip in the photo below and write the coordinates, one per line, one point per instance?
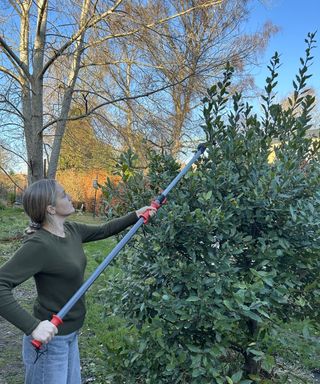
(56, 320)
(146, 214)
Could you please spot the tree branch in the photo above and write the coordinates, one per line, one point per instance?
(16, 154)
(6, 101)
(14, 57)
(11, 179)
(14, 5)
(158, 22)
(7, 72)
(81, 30)
(95, 20)
(41, 17)
(125, 98)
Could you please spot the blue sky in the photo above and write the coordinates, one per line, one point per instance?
(295, 18)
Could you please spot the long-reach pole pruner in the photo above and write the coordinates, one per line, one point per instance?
(57, 319)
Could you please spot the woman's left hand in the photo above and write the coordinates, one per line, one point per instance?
(141, 211)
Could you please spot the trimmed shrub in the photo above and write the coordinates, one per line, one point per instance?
(235, 251)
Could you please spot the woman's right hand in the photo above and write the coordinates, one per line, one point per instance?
(44, 332)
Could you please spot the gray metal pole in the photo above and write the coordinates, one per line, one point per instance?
(57, 319)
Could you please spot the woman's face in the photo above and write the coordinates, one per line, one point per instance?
(63, 206)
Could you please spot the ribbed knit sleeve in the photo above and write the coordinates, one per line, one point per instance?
(112, 227)
(25, 263)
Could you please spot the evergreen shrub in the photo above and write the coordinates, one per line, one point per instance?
(235, 251)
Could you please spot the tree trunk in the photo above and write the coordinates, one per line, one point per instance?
(61, 127)
(67, 98)
(251, 367)
(37, 93)
(32, 144)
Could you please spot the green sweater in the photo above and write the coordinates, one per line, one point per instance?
(57, 265)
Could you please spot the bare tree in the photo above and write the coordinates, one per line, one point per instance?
(61, 44)
(44, 43)
(188, 53)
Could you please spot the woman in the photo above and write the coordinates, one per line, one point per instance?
(54, 256)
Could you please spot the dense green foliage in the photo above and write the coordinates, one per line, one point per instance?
(235, 252)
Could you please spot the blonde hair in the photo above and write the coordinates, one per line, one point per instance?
(36, 199)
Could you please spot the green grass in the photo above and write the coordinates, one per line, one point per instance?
(297, 341)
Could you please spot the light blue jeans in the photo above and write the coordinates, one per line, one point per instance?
(58, 362)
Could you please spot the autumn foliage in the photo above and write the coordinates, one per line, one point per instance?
(79, 184)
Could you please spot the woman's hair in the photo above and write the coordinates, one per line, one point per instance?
(36, 199)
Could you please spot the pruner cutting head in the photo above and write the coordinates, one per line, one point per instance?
(202, 147)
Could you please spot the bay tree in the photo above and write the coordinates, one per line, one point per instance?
(235, 251)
